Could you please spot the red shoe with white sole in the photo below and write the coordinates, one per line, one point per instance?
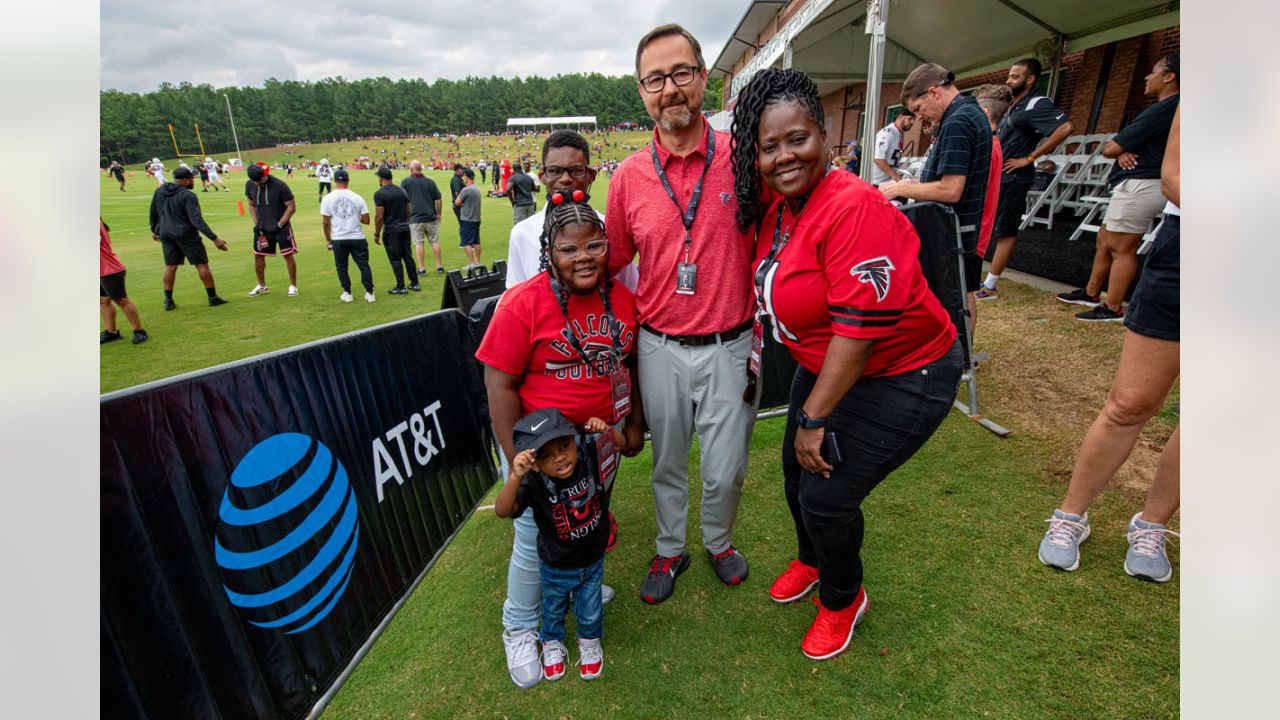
(832, 630)
(794, 583)
(553, 657)
(590, 658)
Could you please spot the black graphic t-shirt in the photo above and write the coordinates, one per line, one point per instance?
(572, 514)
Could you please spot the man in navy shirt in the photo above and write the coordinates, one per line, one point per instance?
(1033, 127)
(959, 162)
(1135, 196)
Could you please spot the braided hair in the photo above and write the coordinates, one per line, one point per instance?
(574, 210)
(768, 87)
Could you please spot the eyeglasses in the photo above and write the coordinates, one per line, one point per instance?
(595, 248)
(577, 172)
(680, 76)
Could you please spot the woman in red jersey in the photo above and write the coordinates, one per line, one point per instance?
(837, 272)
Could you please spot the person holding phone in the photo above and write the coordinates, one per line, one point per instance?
(837, 272)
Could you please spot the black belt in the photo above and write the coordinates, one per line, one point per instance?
(699, 340)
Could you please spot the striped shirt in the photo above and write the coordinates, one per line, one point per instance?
(962, 146)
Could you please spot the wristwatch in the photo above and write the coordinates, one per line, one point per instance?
(807, 422)
(1031, 159)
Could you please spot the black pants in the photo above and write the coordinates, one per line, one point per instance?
(879, 424)
(357, 250)
(400, 253)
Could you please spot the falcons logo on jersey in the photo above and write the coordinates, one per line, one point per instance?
(876, 272)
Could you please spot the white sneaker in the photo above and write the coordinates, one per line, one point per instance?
(553, 657)
(258, 290)
(345, 297)
(370, 297)
(522, 657)
(590, 658)
(293, 291)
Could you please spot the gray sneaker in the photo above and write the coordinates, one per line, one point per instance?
(1060, 547)
(1146, 559)
(522, 657)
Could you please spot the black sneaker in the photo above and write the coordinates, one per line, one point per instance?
(730, 566)
(108, 336)
(215, 301)
(440, 269)
(168, 304)
(661, 580)
(397, 291)
(1080, 296)
(422, 271)
(1101, 313)
(140, 336)
(415, 287)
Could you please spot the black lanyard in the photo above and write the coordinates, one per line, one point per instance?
(686, 216)
(614, 360)
(780, 240)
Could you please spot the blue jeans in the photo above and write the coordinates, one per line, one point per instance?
(879, 424)
(584, 584)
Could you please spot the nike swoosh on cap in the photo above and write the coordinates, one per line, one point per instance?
(535, 427)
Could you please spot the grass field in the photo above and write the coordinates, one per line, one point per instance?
(963, 621)
(196, 336)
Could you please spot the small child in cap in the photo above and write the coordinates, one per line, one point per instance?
(557, 477)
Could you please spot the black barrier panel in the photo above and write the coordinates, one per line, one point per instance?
(463, 288)
(940, 253)
(259, 520)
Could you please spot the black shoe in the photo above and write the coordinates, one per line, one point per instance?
(168, 304)
(216, 301)
(415, 287)
(1101, 313)
(730, 566)
(108, 336)
(397, 291)
(439, 270)
(661, 580)
(140, 336)
(1080, 297)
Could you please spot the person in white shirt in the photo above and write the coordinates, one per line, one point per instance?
(212, 167)
(324, 174)
(343, 212)
(157, 170)
(889, 148)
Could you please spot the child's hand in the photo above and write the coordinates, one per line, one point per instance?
(522, 463)
(595, 425)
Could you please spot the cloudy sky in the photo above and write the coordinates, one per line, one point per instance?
(243, 42)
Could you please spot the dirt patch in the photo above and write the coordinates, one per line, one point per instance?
(1048, 377)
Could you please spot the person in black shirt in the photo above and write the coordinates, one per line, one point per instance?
(118, 173)
(521, 189)
(1135, 197)
(1033, 127)
(455, 186)
(391, 227)
(558, 478)
(424, 215)
(271, 205)
(176, 223)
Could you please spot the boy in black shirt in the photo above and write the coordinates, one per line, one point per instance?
(558, 478)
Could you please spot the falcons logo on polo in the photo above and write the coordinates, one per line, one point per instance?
(876, 272)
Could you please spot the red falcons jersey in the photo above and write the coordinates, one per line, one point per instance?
(851, 269)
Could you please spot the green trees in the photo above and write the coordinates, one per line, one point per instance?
(132, 125)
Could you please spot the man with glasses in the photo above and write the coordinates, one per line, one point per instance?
(673, 203)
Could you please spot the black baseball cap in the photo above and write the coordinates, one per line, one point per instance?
(181, 174)
(256, 172)
(384, 173)
(539, 428)
(341, 175)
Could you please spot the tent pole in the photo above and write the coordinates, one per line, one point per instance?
(877, 17)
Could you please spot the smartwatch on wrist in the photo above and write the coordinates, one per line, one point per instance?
(807, 422)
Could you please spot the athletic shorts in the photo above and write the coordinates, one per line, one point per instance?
(469, 230)
(972, 272)
(1010, 209)
(178, 250)
(112, 286)
(1154, 309)
(284, 241)
(1134, 203)
(425, 232)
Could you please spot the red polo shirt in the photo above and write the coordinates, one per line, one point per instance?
(108, 263)
(851, 269)
(640, 218)
(993, 199)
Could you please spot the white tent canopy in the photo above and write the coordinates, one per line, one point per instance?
(566, 120)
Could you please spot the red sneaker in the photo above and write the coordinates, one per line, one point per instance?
(832, 631)
(553, 659)
(794, 583)
(590, 658)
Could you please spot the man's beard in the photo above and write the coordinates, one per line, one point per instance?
(1019, 88)
(680, 122)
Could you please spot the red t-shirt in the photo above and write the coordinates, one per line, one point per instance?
(527, 337)
(992, 200)
(851, 269)
(108, 263)
(640, 217)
